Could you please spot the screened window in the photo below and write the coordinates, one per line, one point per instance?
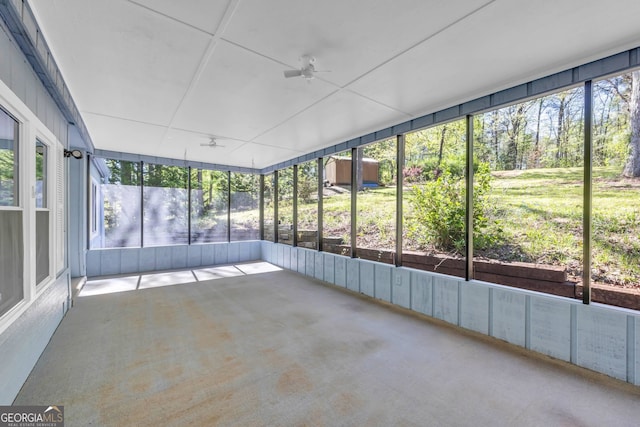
(165, 205)
(308, 205)
(122, 205)
(245, 207)
(434, 205)
(336, 204)
(528, 192)
(269, 207)
(209, 205)
(376, 204)
(285, 206)
(616, 182)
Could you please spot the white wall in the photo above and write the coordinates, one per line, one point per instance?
(107, 262)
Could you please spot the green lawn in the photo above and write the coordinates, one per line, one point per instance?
(540, 215)
(540, 212)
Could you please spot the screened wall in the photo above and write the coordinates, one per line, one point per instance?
(138, 204)
(539, 193)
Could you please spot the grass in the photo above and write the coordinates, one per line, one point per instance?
(539, 211)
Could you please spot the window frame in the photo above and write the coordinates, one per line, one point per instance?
(49, 200)
(94, 198)
(29, 128)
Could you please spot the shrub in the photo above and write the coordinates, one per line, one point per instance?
(439, 210)
(412, 173)
(306, 187)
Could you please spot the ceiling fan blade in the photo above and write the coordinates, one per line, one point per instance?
(292, 73)
(208, 144)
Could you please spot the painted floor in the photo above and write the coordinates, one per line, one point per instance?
(253, 345)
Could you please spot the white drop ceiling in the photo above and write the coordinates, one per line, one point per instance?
(161, 77)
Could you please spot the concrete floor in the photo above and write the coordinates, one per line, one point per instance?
(238, 347)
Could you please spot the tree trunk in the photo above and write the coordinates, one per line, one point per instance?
(442, 135)
(537, 144)
(359, 171)
(494, 137)
(632, 169)
(560, 128)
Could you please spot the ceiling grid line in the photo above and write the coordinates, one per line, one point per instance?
(231, 9)
(431, 36)
(156, 77)
(171, 18)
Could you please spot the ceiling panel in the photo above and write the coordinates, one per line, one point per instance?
(155, 62)
(241, 94)
(336, 119)
(347, 37)
(115, 134)
(531, 40)
(259, 156)
(189, 146)
(120, 59)
(205, 15)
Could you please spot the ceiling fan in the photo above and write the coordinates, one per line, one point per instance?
(307, 70)
(213, 143)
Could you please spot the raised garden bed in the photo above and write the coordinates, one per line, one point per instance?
(535, 277)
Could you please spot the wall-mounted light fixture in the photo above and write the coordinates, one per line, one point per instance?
(76, 154)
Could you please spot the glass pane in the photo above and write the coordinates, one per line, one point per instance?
(11, 259)
(8, 160)
(209, 201)
(269, 207)
(165, 205)
(42, 245)
(245, 207)
(336, 204)
(285, 206)
(41, 175)
(616, 185)
(377, 201)
(528, 191)
(308, 205)
(122, 206)
(94, 207)
(434, 205)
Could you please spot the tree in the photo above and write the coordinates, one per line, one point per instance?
(359, 168)
(632, 168)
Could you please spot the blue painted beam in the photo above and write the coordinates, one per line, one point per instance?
(21, 23)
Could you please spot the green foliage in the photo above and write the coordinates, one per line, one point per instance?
(123, 172)
(439, 212)
(307, 181)
(8, 169)
(307, 187)
(244, 183)
(430, 168)
(385, 153)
